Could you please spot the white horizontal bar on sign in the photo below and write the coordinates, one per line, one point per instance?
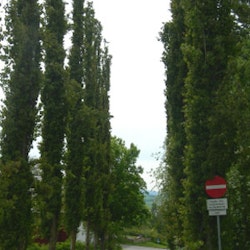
(222, 186)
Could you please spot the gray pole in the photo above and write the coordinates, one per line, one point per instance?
(218, 229)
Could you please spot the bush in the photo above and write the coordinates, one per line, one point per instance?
(37, 247)
(59, 246)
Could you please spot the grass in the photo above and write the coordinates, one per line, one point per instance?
(59, 246)
(152, 244)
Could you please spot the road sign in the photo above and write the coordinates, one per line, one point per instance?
(217, 212)
(217, 204)
(216, 187)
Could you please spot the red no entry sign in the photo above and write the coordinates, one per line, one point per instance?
(216, 187)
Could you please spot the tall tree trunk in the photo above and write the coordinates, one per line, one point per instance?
(73, 240)
(102, 241)
(87, 236)
(96, 240)
(53, 234)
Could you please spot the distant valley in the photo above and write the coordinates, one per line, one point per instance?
(150, 197)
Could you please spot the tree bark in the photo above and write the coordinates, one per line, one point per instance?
(53, 234)
(73, 240)
(87, 236)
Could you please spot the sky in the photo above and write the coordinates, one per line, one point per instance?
(137, 74)
(131, 28)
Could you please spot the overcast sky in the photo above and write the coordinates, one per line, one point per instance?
(137, 74)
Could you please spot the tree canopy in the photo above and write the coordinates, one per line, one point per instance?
(127, 204)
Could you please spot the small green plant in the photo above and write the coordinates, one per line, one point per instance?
(37, 247)
(59, 246)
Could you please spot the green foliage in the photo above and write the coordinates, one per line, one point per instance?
(172, 169)
(206, 50)
(208, 112)
(37, 247)
(127, 204)
(237, 225)
(60, 246)
(96, 127)
(21, 75)
(66, 246)
(74, 197)
(237, 98)
(150, 199)
(78, 99)
(54, 116)
(21, 55)
(15, 205)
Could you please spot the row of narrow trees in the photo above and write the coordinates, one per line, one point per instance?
(67, 105)
(206, 54)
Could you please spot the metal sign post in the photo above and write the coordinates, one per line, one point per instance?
(217, 207)
(218, 230)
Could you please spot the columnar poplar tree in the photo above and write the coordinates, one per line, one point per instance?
(172, 36)
(75, 140)
(205, 39)
(207, 47)
(88, 159)
(97, 127)
(103, 157)
(236, 99)
(92, 42)
(53, 124)
(21, 86)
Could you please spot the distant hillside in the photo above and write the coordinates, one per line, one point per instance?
(150, 197)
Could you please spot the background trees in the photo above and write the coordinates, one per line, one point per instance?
(127, 200)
